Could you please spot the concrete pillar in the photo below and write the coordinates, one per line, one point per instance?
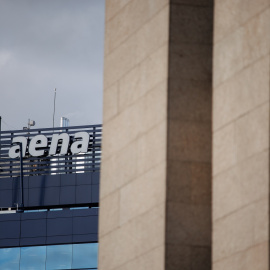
(155, 200)
(241, 135)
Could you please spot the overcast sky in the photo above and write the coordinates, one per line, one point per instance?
(47, 44)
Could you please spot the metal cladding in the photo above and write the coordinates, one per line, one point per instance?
(60, 171)
(49, 228)
(50, 191)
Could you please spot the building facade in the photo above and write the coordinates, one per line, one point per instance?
(185, 147)
(49, 213)
(185, 162)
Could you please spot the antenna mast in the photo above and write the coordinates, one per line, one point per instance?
(54, 105)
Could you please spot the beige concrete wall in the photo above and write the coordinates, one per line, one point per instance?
(132, 205)
(156, 165)
(241, 135)
(155, 200)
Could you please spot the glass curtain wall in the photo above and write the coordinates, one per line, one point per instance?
(75, 256)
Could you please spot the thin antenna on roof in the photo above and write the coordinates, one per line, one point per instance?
(54, 105)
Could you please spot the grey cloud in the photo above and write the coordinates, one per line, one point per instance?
(48, 44)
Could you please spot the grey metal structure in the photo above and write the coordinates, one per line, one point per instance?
(45, 165)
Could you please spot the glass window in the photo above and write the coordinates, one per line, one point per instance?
(59, 257)
(33, 258)
(85, 255)
(10, 258)
(76, 256)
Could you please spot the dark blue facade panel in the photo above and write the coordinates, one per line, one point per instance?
(5, 218)
(90, 226)
(6, 198)
(48, 228)
(33, 215)
(50, 190)
(43, 197)
(43, 181)
(63, 239)
(33, 228)
(70, 179)
(84, 179)
(59, 226)
(83, 193)
(95, 178)
(67, 195)
(33, 241)
(9, 229)
(10, 242)
(5, 184)
(95, 193)
(85, 238)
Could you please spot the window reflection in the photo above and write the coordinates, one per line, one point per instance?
(85, 256)
(76, 256)
(33, 258)
(9, 258)
(59, 257)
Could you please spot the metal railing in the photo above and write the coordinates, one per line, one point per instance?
(56, 164)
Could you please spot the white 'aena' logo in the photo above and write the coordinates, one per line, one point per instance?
(39, 142)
